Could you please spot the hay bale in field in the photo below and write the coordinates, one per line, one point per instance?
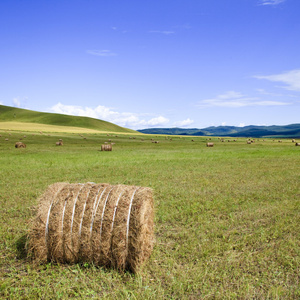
(20, 145)
(249, 142)
(106, 147)
(293, 141)
(6, 139)
(108, 225)
(297, 144)
(209, 144)
(60, 143)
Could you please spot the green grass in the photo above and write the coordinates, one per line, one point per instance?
(227, 217)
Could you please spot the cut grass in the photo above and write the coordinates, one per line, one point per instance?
(227, 217)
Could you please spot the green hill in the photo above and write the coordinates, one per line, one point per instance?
(13, 114)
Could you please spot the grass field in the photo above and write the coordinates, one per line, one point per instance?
(227, 217)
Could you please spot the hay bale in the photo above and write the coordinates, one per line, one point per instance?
(108, 225)
(20, 145)
(248, 142)
(293, 141)
(106, 147)
(6, 139)
(59, 143)
(209, 144)
(297, 144)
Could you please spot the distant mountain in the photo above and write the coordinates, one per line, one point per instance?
(285, 131)
(13, 114)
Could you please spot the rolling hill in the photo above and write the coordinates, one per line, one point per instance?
(286, 131)
(18, 115)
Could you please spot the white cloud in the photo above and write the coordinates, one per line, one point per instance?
(16, 102)
(271, 2)
(124, 119)
(184, 123)
(165, 32)
(105, 53)
(234, 99)
(241, 125)
(291, 79)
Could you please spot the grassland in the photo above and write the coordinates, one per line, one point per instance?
(227, 217)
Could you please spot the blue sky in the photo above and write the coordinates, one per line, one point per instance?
(166, 63)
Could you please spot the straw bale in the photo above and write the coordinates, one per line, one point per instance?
(106, 147)
(209, 144)
(297, 144)
(108, 225)
(20, 145)
(59, 143)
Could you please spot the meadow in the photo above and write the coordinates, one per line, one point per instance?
(226, 217)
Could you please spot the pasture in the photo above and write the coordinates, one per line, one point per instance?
(226, 217)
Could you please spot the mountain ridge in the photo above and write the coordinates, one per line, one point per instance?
(255, 131)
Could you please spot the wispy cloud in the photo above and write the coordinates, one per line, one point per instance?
(165, 32)
(233, 99)
(16, 102)
(291, 79)
(271, 2)
(125, 119)
(101, 53)
(183, 123)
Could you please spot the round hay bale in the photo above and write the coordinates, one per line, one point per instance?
(209, 144)
(297, 144)
(106, 147)
(59, 143)
(20, 145)
(108, 225)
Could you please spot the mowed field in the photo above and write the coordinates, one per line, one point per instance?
(226, 217)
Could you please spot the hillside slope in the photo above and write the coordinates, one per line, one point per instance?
(12, 114)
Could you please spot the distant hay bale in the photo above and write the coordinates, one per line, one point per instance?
(249, 142)
(59, 143)
(108, 225)
(297, 144)
(106, 147)
(209, 144)
(20, 145)
(60, 140)
(6, 139)
(293, 141)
